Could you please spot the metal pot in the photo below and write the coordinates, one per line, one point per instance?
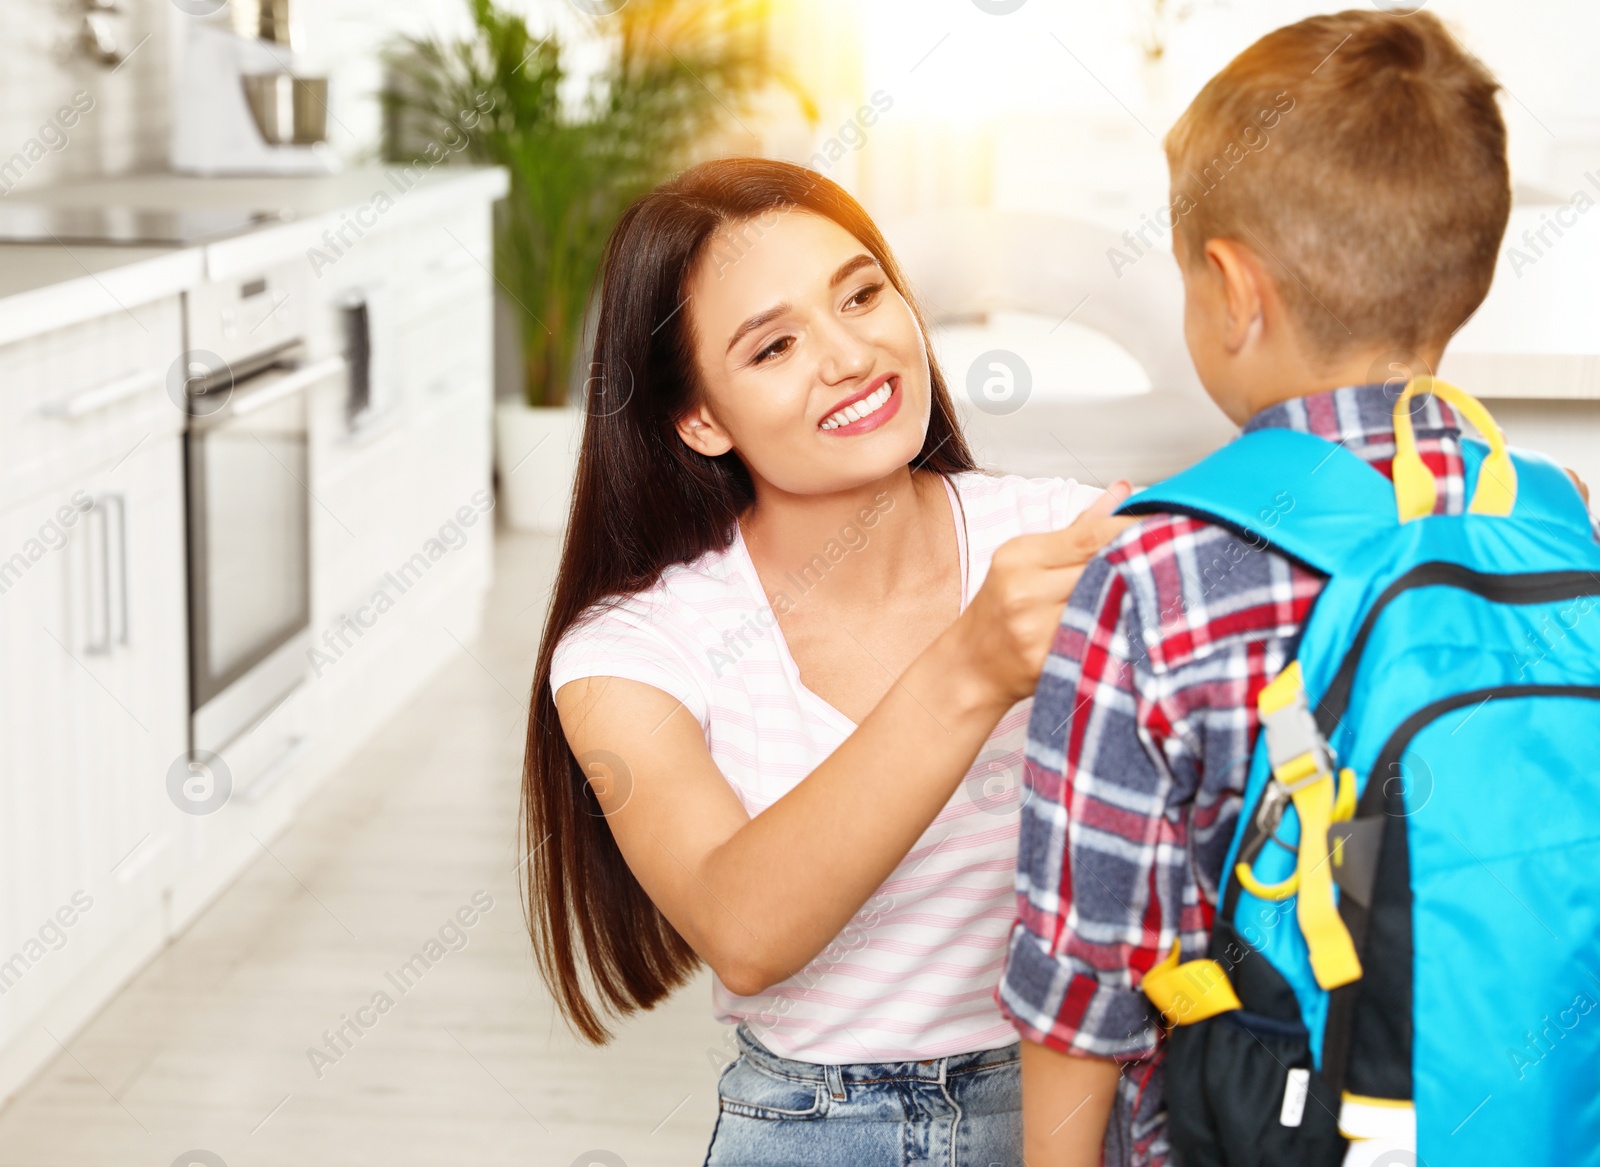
(289, 110)
(269, 20)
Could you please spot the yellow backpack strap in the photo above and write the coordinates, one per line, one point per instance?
(1303, 766)
(1414, 489)
(1188, 992)
(1333, 953)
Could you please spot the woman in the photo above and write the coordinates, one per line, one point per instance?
(784, 630)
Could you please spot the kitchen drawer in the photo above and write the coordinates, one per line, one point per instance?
(76, 396)
(445, 259)
(389, 496)
(449, 350)
(426, 263)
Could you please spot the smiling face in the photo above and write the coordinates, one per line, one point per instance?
(813, 366)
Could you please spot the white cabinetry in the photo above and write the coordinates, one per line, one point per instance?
(93, 666)
(402, 540)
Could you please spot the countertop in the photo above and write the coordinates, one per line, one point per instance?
(1537, 333)
(45, 286)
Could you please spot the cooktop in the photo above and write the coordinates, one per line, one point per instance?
(125, 226)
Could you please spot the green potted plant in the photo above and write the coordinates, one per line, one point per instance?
(674, 71)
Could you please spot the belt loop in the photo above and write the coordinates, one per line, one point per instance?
(835, 1080)
(944, 1065)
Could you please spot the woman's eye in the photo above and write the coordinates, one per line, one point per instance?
(777, 347)
(865, 296)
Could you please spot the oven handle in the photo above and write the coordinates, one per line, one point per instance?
(289, 385)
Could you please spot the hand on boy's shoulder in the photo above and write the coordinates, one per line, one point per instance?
(1583, 487)
(1069, 549)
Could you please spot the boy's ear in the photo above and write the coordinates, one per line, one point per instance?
(1246, 288)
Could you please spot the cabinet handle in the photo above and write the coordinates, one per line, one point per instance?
(113, 625)
(99, 643)
(102, 396)
(121, 611)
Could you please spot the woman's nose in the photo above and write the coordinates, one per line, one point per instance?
(842, 355)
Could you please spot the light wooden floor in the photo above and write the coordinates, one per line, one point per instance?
(206, 1048)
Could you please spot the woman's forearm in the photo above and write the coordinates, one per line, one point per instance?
(854, 817)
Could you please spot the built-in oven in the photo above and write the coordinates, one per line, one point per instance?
(247, 467)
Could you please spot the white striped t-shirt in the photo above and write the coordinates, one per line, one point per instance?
(912, 976)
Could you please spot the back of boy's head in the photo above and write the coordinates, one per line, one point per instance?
(1362, 156)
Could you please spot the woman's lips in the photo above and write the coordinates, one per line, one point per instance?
(876, 418)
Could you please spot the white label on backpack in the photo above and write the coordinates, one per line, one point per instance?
(1294, 1097)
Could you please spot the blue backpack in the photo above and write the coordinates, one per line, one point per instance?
(1405, 965)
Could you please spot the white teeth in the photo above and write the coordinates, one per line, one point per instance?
(860, 409)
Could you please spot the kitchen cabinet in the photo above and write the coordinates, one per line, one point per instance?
(398, 569)
(93, 673)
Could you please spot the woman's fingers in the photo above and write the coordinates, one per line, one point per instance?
(1016, 613)
(1583, 487)
(1048, 564)
(1076, 543)
(1115, 495)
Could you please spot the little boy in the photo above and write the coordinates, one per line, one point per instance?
(1321, 270)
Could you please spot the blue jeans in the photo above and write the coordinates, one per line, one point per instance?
(960, 1111)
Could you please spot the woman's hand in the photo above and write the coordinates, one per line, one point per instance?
(1008, 627)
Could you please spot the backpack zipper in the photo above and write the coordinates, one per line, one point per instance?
(1400, 739)
(1540, 587)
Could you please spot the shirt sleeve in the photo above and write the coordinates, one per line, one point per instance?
(1101, 867)
(1069, 499)
(622, 641)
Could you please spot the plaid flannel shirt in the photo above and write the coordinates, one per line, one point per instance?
(1139, 746)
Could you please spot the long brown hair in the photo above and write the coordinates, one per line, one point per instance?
(642, 501)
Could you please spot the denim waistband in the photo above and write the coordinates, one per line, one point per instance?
(931, 1070)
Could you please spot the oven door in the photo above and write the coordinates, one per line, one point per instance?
(249, 544)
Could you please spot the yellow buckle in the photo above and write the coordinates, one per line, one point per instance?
(1188, 992)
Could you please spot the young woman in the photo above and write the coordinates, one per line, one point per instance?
(778, 713)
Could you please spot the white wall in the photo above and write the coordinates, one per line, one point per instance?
(126, 130)
(1051, 108)
(127, 126)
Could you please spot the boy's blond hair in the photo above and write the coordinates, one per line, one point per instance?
(1363, 157)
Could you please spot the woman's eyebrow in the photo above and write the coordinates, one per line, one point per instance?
(756, 322)
(848, 268)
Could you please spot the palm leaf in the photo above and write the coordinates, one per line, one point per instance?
(676, 69)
